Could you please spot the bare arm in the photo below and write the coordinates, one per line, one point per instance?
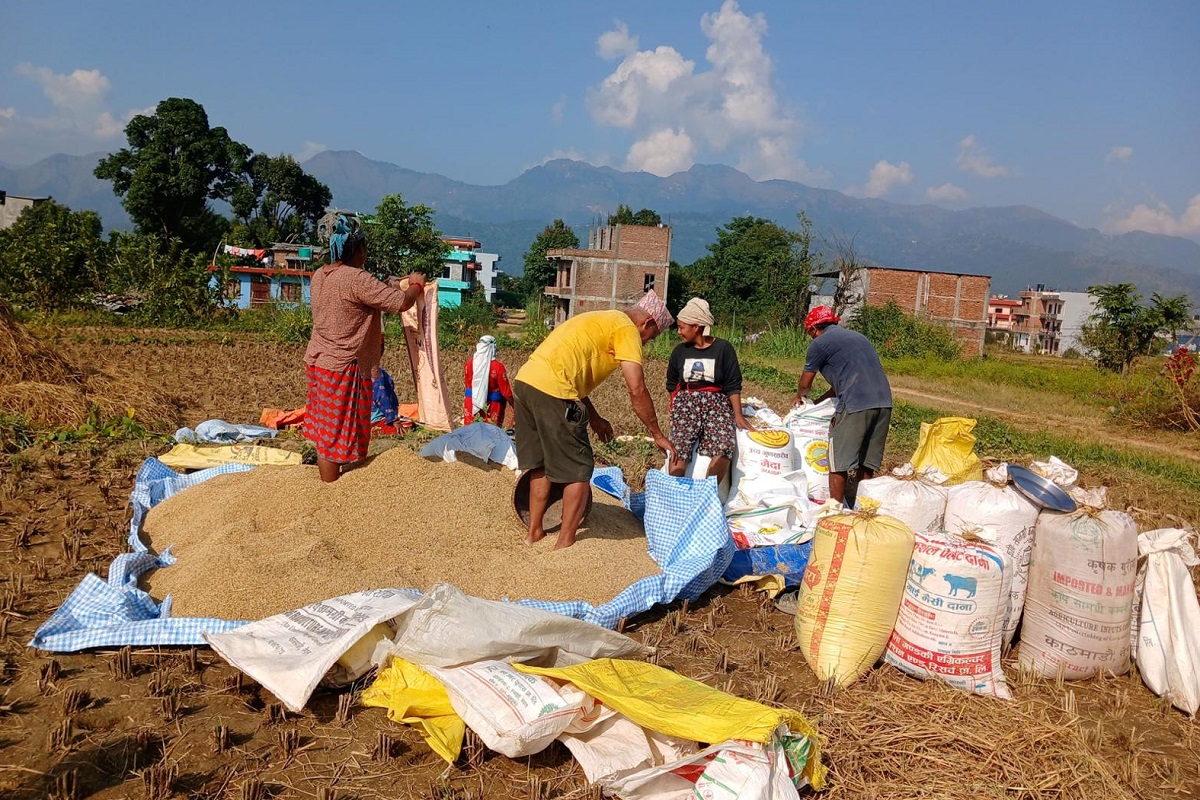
(805, 386)
(739, 419)
(643, 406)
(392, 297)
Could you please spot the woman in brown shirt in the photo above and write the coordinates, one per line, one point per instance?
(346, 343)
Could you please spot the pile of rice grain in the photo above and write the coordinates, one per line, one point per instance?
(256, 543)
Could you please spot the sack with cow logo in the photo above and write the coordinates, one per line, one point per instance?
(951, 622)
(918, 499)
(809, 426)
(850, 593)
(1002, 517)
(1080, 599)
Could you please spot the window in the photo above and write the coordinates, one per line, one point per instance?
(289, 292)
(233, 289)
(648, 283)
(446, 272)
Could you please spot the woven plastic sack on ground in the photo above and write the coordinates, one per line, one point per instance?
(190, 456)
(483, 440)
(809, 426)
(788, 561)
(414, 697)
(1001, 516)
(916, 498)
(851, 593)
(760, 453)
(1080, 600)
(663, 701)
(951, 622)
(948, 445)
(1166, 618)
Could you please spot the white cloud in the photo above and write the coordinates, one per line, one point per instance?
(972, 157)
(81, 89)
(730, 109)
(310, 149)
(1119, 153)
(947, 192)
(662, 153)
(886, 176)
(558, 110)
(616, 43)
(1160, 219)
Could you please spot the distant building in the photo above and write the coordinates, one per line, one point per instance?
(1038, 322)
(465, 268)
(956, 300)
(281, 274)
(620, 264)
(11, 206)
(1001, 315)
(1077, 309)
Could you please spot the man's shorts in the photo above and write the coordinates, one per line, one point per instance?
(552, 434)
(857, 440)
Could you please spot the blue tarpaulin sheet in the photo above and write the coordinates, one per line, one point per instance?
(685, 528)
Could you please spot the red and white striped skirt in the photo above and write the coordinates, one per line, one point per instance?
(337, 416)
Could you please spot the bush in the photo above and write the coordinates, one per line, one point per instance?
(462, 325)
(896, 334)
(51, 258)
(173, 284)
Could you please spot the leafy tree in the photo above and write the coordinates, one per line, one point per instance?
(174, 285)
(1122, 329)
(402, 239)
(173, 165)
(1176, 313)
(540, 273)
(277, 201)
(756, 271)
(51, 256)
(678, 287)
(626, 216)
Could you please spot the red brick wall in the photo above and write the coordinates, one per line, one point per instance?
(936, 295)
(893, 284)
(643, 243)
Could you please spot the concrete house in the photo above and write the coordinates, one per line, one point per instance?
(621, 263)
(11, 206)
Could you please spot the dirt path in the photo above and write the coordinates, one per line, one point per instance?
(1075, 427)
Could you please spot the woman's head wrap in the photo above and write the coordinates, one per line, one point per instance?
(343, 233)
(697, 312)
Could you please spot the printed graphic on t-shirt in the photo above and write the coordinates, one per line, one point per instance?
(697, 370)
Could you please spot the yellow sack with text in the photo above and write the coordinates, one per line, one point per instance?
(851, 593)
(668, 703)
(949, 445)
(414, 697)
(190, 456)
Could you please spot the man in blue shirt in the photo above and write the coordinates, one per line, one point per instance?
(858, 433)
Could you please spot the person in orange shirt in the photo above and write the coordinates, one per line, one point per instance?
(488, 395)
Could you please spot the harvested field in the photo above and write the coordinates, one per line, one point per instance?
(184, 716)
(253, 544)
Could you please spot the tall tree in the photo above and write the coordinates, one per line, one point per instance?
(278, 201)
(1176, 313)
(1122, 329)
(51, 256)
(757, 271)
(540, 273)
(173, 165)
(626, 216)
(402, 239)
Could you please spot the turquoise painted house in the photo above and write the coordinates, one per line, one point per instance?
(282, 276)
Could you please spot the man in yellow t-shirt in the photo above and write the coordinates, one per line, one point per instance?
(553, 409)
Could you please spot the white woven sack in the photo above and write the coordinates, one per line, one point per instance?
(1001, 516)
(1080, 599)
(916, 499)
(1166, 618)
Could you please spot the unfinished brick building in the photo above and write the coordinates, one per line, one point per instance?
(620, 264)
(953, 299)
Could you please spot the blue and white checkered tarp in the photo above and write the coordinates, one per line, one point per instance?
(685, 529)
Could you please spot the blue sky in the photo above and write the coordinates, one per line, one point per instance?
(1088, 109)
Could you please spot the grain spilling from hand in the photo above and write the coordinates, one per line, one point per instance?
(256, 543)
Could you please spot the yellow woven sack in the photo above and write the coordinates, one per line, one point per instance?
(666, 702)
(190, 456)
(949, 445)
(414, 697)
(851, 593)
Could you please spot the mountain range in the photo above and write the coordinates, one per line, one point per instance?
(1019, 246)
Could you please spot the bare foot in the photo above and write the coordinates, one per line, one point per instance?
(564, 542)
(533, 537)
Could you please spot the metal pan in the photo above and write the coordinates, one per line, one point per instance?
(1040, 491)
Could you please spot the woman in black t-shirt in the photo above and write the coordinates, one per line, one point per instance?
(704, 380)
